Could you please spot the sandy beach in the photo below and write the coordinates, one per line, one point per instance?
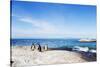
(24, 56)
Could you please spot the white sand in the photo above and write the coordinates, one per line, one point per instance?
(24, 56)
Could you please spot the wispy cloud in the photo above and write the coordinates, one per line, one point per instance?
(44, 29)
(41, 26)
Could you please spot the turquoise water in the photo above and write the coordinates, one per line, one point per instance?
(53, 43)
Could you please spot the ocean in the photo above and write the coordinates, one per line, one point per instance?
(53, 43)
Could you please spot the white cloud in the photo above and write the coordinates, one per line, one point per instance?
(45, 29)
(42, 27)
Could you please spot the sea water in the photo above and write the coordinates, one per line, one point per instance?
(53, 43)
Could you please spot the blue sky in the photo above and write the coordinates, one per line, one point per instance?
(49, 20)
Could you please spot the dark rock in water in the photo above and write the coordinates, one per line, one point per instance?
(62, 48)
(89, 56)
(69, 49)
